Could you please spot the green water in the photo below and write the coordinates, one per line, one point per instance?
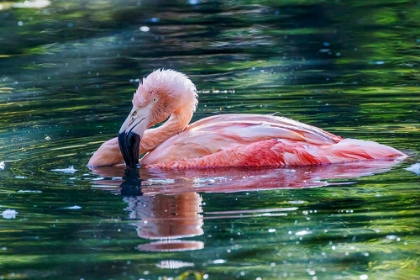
(67, 74)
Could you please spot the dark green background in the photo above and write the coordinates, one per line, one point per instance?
(67, 75)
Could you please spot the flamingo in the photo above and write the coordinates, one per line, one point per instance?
(229, 140)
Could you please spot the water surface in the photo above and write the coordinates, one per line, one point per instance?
(67, 74)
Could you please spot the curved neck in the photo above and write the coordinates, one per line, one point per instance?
(176, 123)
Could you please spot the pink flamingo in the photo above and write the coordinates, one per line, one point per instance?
(221, 140)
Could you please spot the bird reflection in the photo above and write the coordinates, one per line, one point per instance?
(167, 216)
(167, 206)
(162, 217)
(131, 184)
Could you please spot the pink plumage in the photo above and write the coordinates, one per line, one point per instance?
(222, 140)
(281, 152)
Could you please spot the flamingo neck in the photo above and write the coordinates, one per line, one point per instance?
(176, 123)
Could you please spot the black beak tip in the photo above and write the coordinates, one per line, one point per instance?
(129, 146)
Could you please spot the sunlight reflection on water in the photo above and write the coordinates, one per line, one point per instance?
(68, 72)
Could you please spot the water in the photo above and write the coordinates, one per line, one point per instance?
(67, 74)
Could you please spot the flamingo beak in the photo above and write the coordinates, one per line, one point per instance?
(129, 147)
(130, 135)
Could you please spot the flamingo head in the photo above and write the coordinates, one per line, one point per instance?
(160, 94)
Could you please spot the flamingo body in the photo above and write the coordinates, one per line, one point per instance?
(258, 140)
(223, 140)
(282, 152)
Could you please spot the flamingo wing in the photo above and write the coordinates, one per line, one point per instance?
(284, 152)
(258, 140)
(226, 132)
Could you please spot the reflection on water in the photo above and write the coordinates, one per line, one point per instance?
(68, 71)
(167, 217)
(166, 205)
(163, 181)
(161, 216)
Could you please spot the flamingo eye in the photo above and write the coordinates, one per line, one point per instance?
(154, 99)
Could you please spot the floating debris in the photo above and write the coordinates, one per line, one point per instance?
(29, 191)
(145, 28)
(415, 168)
(69, 170)
(75, 207)
(173, 264)
(9, 214)
(219, 261)
(2, 165)
(303, 232)
(36, 4)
